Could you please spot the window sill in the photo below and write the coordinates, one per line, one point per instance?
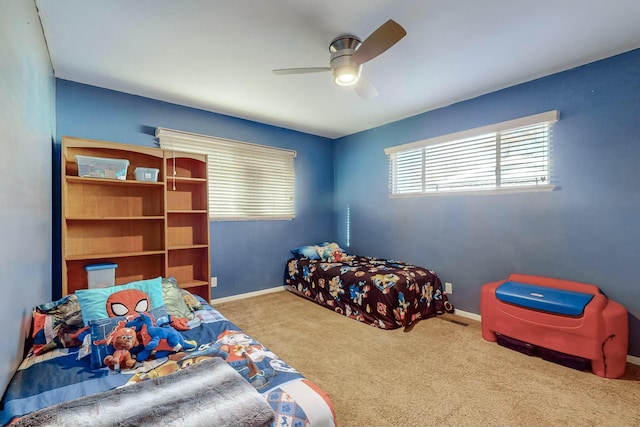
(251, 218)
(494, 191)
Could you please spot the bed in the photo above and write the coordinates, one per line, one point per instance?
(219, 373)
(384, 293)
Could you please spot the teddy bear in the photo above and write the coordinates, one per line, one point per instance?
(123, 340)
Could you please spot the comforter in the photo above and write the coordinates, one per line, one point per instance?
(384, 293)
(207, 393)
(63, 375)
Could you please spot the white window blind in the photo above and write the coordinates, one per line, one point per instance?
(507, 156)
(246, 181)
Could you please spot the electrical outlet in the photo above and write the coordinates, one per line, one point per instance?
(448, 287)
(214, 282)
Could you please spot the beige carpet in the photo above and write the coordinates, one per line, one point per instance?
(439, 374)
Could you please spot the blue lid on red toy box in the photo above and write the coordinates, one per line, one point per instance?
(103, 266)
(543, 298)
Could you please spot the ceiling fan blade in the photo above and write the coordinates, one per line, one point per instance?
(301, 70)
(379, 41)
(366, 89)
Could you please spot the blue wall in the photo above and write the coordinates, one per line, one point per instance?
(587, 230)
(27, 120)
(246, 256)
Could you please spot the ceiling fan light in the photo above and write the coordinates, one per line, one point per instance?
(346, 79)
(346, 75)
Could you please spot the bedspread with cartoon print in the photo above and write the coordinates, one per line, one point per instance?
(61, 375)
(384, 293)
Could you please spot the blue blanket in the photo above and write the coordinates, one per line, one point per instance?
(209, 392)
(61, 375)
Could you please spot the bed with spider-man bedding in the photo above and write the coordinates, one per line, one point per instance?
(380, 292)
(85, 370)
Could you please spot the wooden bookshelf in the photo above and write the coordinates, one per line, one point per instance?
(187, 231)
(148, 228)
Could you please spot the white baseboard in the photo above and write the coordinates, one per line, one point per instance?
(631, 359)
(247, 295)
(467, 314)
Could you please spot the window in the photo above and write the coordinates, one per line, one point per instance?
(507, 156)
(246, 181)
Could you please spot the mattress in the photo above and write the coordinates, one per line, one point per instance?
(63, 374)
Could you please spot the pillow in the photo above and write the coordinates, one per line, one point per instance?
(174, 299)
(326, 252)
(93, 302)
(55, 324)
(101, 328)
(306, 251)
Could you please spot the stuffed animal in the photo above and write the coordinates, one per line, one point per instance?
(123, 340)
(179, 323)
(159, 341)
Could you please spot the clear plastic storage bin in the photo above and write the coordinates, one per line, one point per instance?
(100, 167)
(147, 174)
(101, 275)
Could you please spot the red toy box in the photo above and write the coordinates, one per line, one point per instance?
(559, 317)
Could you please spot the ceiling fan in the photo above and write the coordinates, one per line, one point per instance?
(348, 54)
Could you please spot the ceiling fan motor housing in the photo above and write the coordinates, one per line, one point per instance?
(344, 68)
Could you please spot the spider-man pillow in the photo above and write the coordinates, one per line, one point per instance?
(121, 300)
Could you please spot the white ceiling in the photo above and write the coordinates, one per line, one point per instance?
(218, 55)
